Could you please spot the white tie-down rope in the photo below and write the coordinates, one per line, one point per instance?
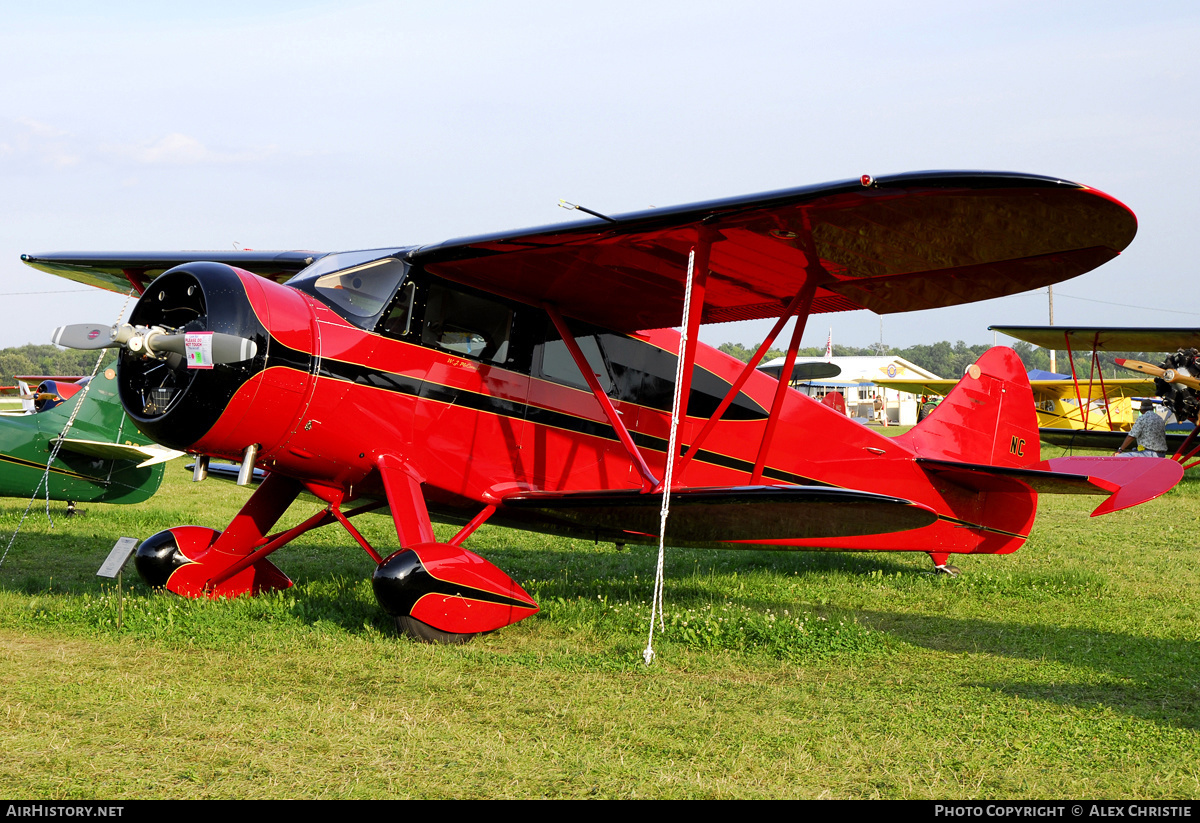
(45, 481)
(656, 604)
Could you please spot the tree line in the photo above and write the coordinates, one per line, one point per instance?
(34, 358)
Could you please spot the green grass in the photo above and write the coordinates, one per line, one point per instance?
(1068, 669)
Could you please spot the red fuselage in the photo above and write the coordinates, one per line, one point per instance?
(475, 431)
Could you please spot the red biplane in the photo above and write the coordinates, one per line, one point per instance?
(508, 379)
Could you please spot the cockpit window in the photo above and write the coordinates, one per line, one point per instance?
(358, 289)
(467, 324)
(362, 290)
(342, 260)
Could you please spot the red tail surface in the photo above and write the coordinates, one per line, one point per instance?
(984, 436)
(987, 418)
(835, 401)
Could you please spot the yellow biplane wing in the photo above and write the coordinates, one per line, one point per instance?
(1042, 389)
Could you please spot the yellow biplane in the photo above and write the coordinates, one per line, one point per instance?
(1061, 402)
(1115, 339)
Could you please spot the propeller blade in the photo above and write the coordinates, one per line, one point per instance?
(226, 348)
(1169, 375)
(84, 336)
(1139, 366)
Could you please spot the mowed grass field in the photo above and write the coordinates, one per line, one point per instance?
(1069, 669)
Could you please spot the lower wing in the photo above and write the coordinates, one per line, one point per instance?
(713, 517)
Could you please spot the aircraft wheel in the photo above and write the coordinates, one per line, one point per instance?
(423, 632)
(948, 570)
(161, 555)
(441, 593)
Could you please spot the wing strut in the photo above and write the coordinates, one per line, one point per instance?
(1084, 409)
(1075, 381)
(799, 307)
(747, 370)
(1182, 455)
(131, 276)
(649, 481)
(1099, 370)
(785, 378)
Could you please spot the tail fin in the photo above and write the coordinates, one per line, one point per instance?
(27, 396)
(835, 401)
(988, 418)
(984, 436)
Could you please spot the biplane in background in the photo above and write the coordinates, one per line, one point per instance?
(51, 390)
(1175, 385)
(104, 458)
(509, 379)
(1062, 404)
(804, 375)
(805, 372)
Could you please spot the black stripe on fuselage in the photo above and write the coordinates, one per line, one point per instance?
(537, 415)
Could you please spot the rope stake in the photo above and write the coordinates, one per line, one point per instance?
(656, 603)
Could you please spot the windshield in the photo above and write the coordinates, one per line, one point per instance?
(357, 285)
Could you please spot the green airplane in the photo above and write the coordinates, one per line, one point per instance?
(103, 459)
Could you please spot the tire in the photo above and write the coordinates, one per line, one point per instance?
(423, 632)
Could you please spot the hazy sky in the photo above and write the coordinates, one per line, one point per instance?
(327, 126)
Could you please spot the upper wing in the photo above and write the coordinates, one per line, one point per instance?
(1104, 338)
(902, 243)
(890, 244)
(804, 371)
(117, 271)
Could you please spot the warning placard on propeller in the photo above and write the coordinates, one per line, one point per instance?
(198, 346)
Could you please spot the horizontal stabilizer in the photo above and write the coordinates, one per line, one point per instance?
(1127, 481)
(704, 517)
(147, 454)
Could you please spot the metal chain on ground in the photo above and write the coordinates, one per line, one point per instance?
(656, 603)
(45, 481)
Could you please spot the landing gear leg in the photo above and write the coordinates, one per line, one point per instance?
(197, 562)
(440, 592)
(941, 564)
